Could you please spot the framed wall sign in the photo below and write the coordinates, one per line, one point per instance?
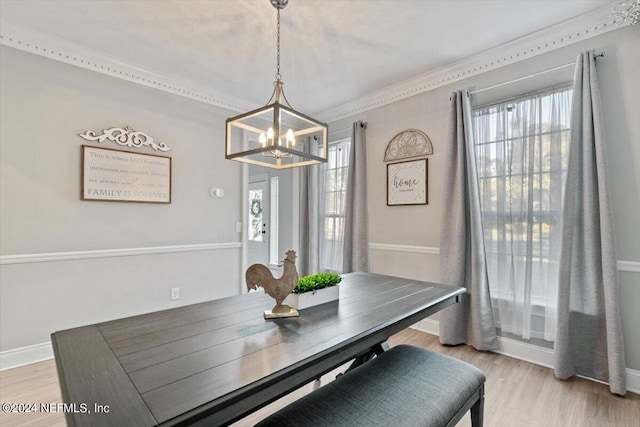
(123, 176)
(407, 183)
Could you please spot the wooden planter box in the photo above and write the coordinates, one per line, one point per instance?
(309, 299)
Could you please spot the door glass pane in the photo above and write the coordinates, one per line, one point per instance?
(255, 215)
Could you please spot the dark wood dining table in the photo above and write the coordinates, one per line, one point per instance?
(215, 362)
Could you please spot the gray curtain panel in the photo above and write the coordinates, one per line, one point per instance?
(462, 254)
(356, 228)
(309, 256)
(589, 335)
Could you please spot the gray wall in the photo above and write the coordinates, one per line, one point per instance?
(44, 105)
(619, 73)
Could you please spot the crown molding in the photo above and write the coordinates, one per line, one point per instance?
(591, 24)
(83, 57)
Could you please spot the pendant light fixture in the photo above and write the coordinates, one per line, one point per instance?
(276, 135)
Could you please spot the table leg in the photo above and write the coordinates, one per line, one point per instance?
(363, 358)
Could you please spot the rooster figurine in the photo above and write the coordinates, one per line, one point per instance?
(278, 289)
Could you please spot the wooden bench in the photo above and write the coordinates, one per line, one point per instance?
(405, 386)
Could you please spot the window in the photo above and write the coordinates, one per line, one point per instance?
(255, 215)
(333, 200)
(521, 153)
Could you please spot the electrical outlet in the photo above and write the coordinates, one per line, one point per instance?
(238, 227)
(175, 293)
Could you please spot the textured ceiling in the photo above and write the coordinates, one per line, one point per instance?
(333, 51)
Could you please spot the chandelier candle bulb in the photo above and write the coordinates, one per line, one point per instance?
(290, 138)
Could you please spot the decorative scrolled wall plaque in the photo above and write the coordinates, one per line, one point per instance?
(126, 137)
(408, 144)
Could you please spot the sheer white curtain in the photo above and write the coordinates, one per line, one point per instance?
(332, 183)
(337, 191)
(521, 153)
(323, 204)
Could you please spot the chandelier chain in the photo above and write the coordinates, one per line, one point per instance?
(278, 76)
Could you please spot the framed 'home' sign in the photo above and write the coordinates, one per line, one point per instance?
(407, 183)
(123, 176)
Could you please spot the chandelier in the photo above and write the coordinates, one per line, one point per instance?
(628, 12)
(276, 136)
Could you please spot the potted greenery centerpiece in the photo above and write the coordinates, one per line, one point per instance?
(313, 290)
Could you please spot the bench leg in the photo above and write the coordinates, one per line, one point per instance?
(477, 410)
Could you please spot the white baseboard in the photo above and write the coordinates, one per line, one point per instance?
(25, 355)
(633, 380)
(429, 326)
(527, 352)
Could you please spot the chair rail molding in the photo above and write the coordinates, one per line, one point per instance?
(594, 23)
(404, 248)
(108, 253)
(627, 266)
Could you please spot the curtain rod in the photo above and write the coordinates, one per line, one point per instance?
(596, 55)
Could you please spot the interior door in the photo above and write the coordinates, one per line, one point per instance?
(258, 224)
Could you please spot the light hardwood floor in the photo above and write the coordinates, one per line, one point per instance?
(518, 394)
